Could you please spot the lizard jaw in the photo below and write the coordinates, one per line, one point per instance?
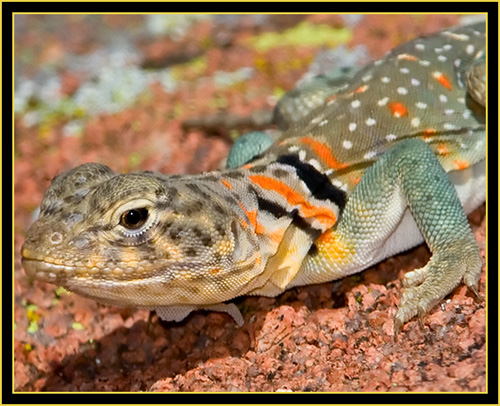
(45, 271)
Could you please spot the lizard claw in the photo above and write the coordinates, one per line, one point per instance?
(422, 311)
(474, 289)
(397, 328)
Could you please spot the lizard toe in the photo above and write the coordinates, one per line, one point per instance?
(427, 286)
(473, 274)
(414, 278)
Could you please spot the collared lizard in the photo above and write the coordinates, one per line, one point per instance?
(395, 155)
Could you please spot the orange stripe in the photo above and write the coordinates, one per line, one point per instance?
(361, 89)
(461, 164)
(226, 183)
(252, 217)
(429, 131)
(398, 109)
(277, 236)
(407, 57)
(427, 134)
(322, 214)
(443, 80)
(323, 152)
(443, 149)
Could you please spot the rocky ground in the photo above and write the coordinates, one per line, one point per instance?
(125, 90)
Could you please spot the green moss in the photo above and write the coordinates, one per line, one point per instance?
(278, 93)
(60, 290)
(33, 327)
(134, 160)
(304, 33)
(195, 68)
(77, 326)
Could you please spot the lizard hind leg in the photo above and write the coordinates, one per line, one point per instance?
(425, 287)
(409, 176)
(436, 209)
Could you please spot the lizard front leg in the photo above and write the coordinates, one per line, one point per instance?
(376, 224)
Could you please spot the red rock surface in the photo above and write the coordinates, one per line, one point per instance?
(331, 337)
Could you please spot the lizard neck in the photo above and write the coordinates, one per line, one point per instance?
(273, 197)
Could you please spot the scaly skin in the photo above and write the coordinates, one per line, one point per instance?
(393, 156)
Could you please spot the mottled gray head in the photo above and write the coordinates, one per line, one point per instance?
(141, 237)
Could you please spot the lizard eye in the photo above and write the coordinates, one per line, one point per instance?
(134, 218)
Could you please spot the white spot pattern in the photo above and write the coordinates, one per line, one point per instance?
(347, 144)
(315, 164)
(355, 104)
(383, 102)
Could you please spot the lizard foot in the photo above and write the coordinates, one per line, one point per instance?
(427, 286)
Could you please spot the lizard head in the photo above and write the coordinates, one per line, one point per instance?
(138, 239)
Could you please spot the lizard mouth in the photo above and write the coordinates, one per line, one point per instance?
(45, 271)
(58, 273)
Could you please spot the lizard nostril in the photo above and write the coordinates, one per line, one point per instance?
(56, 238)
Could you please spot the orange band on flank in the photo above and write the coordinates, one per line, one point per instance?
(323, 152)
(324, 215)
(252, 217)
(226, 183)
